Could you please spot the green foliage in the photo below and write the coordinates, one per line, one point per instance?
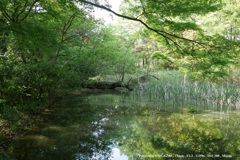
(51, 45)
(160, 14)
(224, 22)
(34, 40)
(26, 65)
(176, 8)
(185, 42)
(164, 59)
(192, 135)
(114, 54)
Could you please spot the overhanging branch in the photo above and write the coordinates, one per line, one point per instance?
(166, 35)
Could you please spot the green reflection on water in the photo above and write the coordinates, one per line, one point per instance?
(93, 125)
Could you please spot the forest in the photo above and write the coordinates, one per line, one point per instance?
(175, 51)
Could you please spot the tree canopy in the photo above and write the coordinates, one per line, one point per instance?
(176, 25)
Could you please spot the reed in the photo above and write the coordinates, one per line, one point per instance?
(175, 90)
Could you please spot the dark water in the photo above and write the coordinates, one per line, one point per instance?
(119, 126)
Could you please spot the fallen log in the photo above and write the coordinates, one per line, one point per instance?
(106, 85)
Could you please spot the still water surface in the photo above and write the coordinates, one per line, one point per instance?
(122, 126)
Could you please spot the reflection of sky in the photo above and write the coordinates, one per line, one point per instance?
(116, 155)
(105, 15)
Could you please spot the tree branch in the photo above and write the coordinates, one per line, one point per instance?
(29, 10)
(23, 8)
(6, 15)
(165, 34)
(123, 16)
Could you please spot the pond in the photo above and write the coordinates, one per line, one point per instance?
(122, 126)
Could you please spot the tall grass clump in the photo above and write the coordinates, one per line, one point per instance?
(174, 89)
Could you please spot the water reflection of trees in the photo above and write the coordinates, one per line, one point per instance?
(185, 134)
(142, 129)
(88, 126)
(67, 133)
